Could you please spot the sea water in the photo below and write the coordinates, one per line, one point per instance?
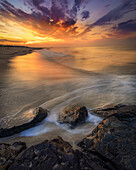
(57, 78)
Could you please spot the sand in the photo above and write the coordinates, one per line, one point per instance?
(8, 52)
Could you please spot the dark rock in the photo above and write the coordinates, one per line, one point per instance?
(8, 153)
(53, 155)
(112, 143)
(73, 116)
(40, 113)
(119, 110)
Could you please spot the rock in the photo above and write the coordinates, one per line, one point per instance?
(73, 116)
(40, 113)
(8, 153)
(112, 144)
(120, 110)
(53, 155)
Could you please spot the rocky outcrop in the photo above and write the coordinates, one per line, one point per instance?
(118, 110)
(40, 113)
(112, 144)
(53, 155)
(73, 116)
(8, 153)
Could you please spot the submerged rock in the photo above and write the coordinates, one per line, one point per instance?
(112, 144)
(53, 155)
(40, 113)
(73, 116)
(8, 153)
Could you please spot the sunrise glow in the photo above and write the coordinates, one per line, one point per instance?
(50, 22)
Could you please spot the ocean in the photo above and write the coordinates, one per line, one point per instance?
(57, 78)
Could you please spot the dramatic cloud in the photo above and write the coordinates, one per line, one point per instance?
(39, 21)
(55, 10)
(126, 27)
(115, 14)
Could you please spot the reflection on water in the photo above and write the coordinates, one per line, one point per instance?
(66, 63)
(35, 67)
(97, 58)
(60, 77)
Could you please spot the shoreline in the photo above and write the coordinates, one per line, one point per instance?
(8, 51)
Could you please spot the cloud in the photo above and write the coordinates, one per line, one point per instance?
(107, 5)
(64, 19)
(115, 14)
(43, 23)
(55, 9)
(45, 18)
(126, 27)
(85, 14)
(13, 41)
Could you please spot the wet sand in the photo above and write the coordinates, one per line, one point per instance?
(8, 52)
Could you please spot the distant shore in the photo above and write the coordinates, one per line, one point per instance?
(8, 51)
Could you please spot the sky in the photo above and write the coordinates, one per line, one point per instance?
(67, 22)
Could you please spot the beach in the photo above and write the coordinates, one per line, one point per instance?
(67, 85)
(57, 80)
(7, 52)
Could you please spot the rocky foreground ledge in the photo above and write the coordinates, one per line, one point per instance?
(40, 115)
(111, 145)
